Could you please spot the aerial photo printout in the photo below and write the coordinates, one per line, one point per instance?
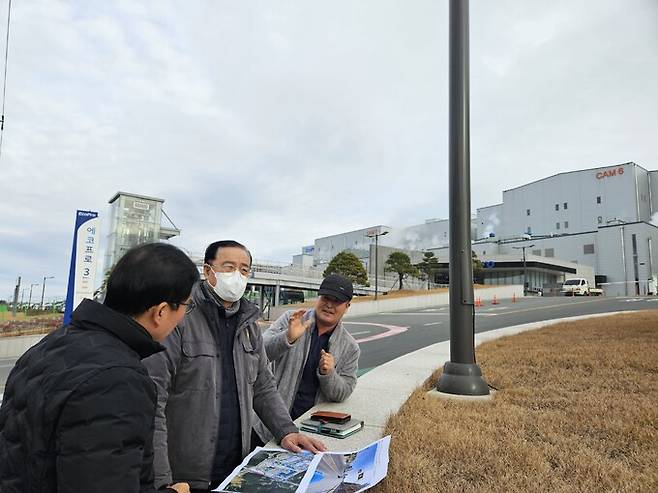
(279, 471)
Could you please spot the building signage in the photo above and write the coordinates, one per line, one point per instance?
(609, 173)
(84, 257)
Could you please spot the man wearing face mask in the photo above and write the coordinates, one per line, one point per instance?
(213, 377)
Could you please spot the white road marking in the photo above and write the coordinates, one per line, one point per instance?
(402, 314)
(432, 323)
(391, 330)
(359, 333)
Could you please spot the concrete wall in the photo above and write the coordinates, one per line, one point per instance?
(619, 264)
(413, 302)
(653, 192)
(579, 190)
(356, 242)
(489, 220)
(13, 347)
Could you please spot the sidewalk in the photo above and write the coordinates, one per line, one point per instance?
(383, 390)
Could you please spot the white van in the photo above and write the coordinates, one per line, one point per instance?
(579, 286)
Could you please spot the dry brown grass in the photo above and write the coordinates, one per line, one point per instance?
(577, 411)
(31, 325)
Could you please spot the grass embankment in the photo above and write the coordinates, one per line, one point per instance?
(577, 410)
(41, 323)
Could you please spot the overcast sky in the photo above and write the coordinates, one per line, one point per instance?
(275, 123)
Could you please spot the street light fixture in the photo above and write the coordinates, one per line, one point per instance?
(376, 237)
(525, 282)
(43, 290)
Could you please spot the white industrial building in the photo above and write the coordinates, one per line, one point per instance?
(598, 223)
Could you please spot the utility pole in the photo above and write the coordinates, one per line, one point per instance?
(376, 236)
(43, 289)
(461, 375)
(16, 290)
(29, 303)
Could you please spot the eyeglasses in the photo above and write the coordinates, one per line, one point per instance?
(189, 306)
(229, 267)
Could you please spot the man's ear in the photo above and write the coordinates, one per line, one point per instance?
(152, 317)
(159, 311)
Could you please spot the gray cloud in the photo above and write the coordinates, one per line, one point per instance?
(278, 123)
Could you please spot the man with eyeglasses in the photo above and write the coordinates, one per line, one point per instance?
(315, 359)
(213, 378)
(78, 410)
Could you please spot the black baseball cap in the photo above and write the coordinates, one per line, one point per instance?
(337, 286)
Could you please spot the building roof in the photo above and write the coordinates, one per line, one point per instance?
(574, 171)
(135, 196)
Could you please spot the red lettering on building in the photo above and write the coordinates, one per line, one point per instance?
(609, 172)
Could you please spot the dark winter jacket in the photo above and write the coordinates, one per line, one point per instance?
(78, 409)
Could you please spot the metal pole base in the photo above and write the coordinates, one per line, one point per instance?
(462, 379)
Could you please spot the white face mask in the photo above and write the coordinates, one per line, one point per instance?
(230, 286)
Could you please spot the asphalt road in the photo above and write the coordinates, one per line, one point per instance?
(386, 336)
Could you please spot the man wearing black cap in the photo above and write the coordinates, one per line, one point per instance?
(315, 359)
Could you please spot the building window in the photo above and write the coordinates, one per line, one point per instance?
(528, 230)
(565, 206)
(599, 220)
(549, 252)
(588, 249)
(557, 207)
(527, 212)
(566, 224)
(537, 253)
(484, 252)
(598, 199)
(557, 225)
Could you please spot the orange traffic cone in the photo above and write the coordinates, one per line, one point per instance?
(478, 302)
(513, 297)
(495, 301)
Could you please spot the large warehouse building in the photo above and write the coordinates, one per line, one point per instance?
(598, 223)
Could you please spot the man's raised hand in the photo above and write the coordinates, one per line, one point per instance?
(296, 326)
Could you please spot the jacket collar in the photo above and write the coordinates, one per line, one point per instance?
(208, 303)
(136, 337)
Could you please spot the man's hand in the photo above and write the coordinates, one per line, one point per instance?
(296, 442)
(180, 487)
(327, 363)
(296, 327)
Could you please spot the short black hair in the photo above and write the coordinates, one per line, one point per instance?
(148, 275)
(211, 251)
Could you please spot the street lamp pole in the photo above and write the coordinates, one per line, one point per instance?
(43, 289)
(29, 303)
(525, 276)
(376, 236)
(461, 375)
